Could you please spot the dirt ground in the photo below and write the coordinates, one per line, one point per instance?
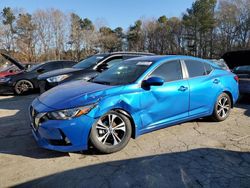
(193, 154)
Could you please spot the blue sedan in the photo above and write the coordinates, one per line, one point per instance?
(134, 97)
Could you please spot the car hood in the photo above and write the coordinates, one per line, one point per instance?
(57, 73)
(4, 74)
(76, 93)
(13, 61)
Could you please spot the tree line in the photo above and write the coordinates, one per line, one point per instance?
(207, 29)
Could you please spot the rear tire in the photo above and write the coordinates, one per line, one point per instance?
(111, 132)
(222, 108)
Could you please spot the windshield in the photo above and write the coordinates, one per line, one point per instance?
(123, 73)
(222, 64)
(86, 63)
(34, 67)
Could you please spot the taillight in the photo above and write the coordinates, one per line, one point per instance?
(236, 78)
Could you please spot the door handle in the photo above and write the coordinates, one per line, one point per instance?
(183, 88)
(216, 81)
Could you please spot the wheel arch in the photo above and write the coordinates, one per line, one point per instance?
(128, 115)
(231, 97)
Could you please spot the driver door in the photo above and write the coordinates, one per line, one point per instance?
(169, 102)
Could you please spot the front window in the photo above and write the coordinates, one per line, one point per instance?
(89, 62)
(123, 73)
(169, 71)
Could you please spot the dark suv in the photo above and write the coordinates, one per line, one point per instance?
(85, 69)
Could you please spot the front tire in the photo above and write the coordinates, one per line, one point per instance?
(222, 107)
(111, 132)
(23, 87)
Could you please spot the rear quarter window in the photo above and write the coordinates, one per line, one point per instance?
(208, 68)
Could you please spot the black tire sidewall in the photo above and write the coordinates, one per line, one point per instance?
(110, 149)
(215, 115)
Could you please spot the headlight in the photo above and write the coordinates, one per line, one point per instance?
(58, 78)
(5, 79)
(70, 113)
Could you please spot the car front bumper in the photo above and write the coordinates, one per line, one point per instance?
(62, 135)
(6, 87)
(45, 86)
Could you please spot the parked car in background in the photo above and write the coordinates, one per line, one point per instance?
(85, 69)
(131, 98)
(243, 72)
(9, 70)
(236, 58)
(26, 80)
(9, 66)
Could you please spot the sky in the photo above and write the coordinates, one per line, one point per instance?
(112, 13)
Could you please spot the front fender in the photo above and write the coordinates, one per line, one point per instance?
(130, 103)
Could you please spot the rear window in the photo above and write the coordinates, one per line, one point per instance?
(195, 68)
(221, 63)
(242, 68)
(208, 68)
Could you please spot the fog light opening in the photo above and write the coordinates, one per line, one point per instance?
(66, 140)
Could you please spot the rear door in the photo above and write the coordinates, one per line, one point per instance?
(202, 86)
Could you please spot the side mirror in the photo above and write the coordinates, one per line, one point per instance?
(153, 81)
(41, 70)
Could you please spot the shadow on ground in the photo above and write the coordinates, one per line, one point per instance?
(244, 103)
(195, 168)
(15, 135)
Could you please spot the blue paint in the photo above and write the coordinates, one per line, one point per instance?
(151, 108)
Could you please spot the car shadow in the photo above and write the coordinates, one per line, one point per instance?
(197, 168)
(15, 135)
(244, 103)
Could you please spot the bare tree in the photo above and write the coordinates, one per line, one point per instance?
(26, 37)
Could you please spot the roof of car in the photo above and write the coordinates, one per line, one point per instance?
(158, 58)
(128, 53)
(164, 57)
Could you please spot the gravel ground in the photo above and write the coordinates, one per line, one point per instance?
(194, 154)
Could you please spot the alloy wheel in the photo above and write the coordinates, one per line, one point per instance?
(110, 129)
(223, 107)
(23, 86)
